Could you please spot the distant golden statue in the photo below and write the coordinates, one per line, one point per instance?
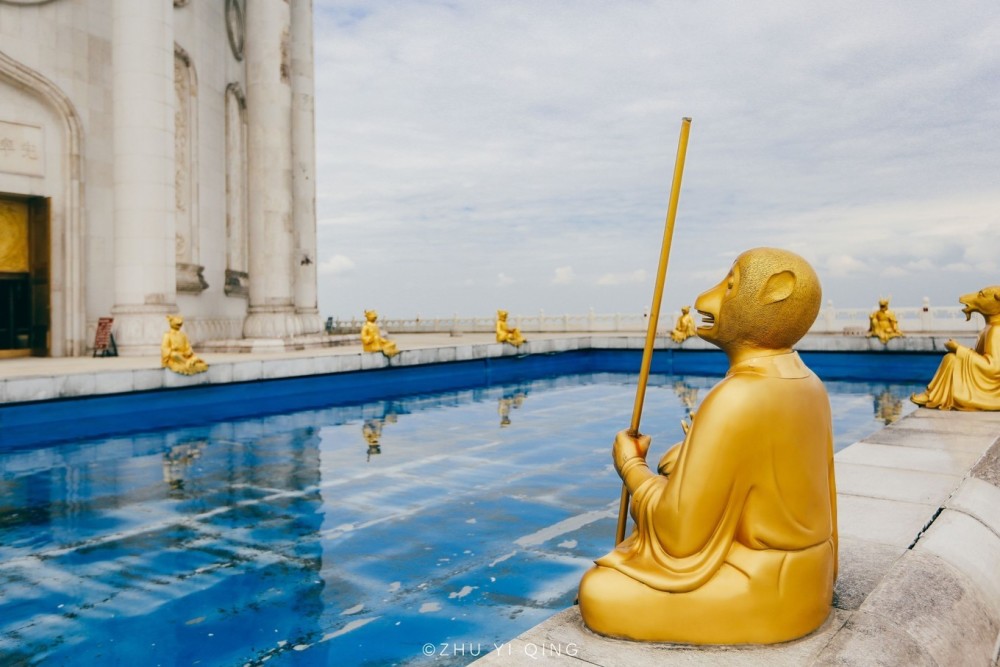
(736, 539)
(684, 328)
(371, 337)
(505, 334)
(883, 324)
(969, 379)
(175, 350)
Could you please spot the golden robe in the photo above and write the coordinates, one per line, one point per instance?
(177, 355)
(739, 543)
(969, 379)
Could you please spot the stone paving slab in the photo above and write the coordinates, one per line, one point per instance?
(913, 486)
(950, 462)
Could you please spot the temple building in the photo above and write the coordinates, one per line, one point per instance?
(156, 156)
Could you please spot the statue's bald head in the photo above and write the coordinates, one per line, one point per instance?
(768, 300)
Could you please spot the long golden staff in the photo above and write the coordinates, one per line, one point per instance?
(654, 311)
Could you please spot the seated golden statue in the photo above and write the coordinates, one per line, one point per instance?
(175, 350)
(883, 324)
(506, 335)
(684, 328)
(736, 538)
(371, 337)
(969, 379)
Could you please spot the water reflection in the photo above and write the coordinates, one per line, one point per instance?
(178, 459)
(888, 407)
(511, 400)
(371, 430)
(265, 539)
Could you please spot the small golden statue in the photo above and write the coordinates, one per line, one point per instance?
(883, 324)
(506, 335)
(736, 539)
(175, 350)
(371, 337)
(684, 328)
(969, 379)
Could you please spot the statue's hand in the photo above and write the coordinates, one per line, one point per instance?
(951, 345)
(626, 447)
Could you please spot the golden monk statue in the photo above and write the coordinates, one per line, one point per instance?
(505, 334)
(371, 337)
(175, 350)
(883, 324)
(969, 379)
(736, 537)
(684, 328)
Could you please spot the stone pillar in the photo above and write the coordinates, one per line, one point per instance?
(304, 167)
(142, 60)
(269, 156)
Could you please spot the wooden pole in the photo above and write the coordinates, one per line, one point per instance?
(654, 312)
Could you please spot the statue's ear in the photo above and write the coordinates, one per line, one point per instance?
(778, 288)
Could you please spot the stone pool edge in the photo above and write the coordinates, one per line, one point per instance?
(53, 381)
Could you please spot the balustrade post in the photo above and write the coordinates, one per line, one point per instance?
(926, 316)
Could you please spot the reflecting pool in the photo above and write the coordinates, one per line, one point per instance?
(395, 532)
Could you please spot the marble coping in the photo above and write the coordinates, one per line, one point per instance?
(27, 380)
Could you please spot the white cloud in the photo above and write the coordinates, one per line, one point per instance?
(471, 139)
(503, 280)
(894, 272)
(336, 265)
(563, 276)
(637, 276)
(845, 265)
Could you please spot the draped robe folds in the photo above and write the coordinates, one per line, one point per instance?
(739, 543)
(969, 379)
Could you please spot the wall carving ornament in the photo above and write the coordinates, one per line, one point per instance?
(236, 26)
(25, 2)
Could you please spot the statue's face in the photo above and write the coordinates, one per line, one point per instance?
(371, 315)
(768, 301)
(714, 327)
(986, 301)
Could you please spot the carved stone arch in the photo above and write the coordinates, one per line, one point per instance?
(68, 317)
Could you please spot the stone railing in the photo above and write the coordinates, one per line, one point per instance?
(848, 321)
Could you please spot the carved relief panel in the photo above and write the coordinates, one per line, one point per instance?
(189, 271)
(237, 250)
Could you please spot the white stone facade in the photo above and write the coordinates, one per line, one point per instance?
(170, 145)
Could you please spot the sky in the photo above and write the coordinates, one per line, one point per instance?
(518, 154)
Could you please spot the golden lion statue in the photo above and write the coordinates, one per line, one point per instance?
(969, 379)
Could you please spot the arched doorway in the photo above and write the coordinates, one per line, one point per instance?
(24, 276)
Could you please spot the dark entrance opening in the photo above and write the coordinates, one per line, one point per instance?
(24, 276)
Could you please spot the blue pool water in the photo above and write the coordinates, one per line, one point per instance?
(350, 535)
